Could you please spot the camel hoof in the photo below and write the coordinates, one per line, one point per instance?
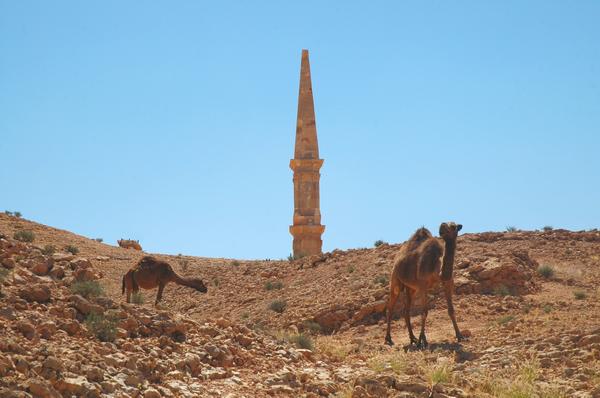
(388, 341)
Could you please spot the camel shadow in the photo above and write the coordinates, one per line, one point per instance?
(460, 354)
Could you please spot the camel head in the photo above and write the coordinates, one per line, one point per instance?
(449, 230)
(197, 284)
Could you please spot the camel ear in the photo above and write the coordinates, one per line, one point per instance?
(459, 227)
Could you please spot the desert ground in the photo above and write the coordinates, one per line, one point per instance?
(315, 326)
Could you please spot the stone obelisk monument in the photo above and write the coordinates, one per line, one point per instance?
(307, 228)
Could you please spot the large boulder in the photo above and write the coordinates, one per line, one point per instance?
(38, 292)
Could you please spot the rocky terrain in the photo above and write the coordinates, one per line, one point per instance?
(530, 302)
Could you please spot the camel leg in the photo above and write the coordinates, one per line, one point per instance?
(448, 290)
(161, 287)
(394, 293)
(422, 339)
(410, 294)
(128, 294)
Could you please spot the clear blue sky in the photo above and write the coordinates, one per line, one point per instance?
(173, 122)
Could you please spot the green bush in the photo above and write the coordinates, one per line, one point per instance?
(87, 289)
(104, 327)
(49, 250)
(502, 290)
(8, 213)
(137, 298)
(24, 236)
(302, 341)
(235, 263)
(351, 269)
(293, 257)
(546, 271)
(383, 280)
(17, 214)
(548, 228)
(99, 240)
(510, 228)
(72, 249)
(378, 243)
(311, 326)
(273, 285)
(278, 306)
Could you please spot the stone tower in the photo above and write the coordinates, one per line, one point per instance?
(307, 228)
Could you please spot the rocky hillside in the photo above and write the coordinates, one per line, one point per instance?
(313, 326)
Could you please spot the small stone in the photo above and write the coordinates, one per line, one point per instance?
(151, 393)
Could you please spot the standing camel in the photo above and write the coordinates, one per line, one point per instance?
(150, 272)
(417, 269)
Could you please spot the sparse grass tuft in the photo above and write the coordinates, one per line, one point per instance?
(216, 282)
(383, 280)
(311, 326)
(548, 228)
(502, 290)
(276, 285)
(378, 243)
(87, 289)
(302, 341)
(547, 308)
(395, 362)
(439, 373)
(332, 348)
(351, 269)
(546, 271)
(245, 315)
(278, 306)
(3, 274)
(48, 250)
(72, 249)
(235, 263)
(511, 228)
(104, 327)
(579, 295)
(516, 383)
(24, 236)
(503, 320)
(137, 298)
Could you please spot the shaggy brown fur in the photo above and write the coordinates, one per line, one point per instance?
(150, 272)
(417, 269)
(129, 244)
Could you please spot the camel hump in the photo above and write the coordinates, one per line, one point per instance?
(429, 259)
(420, 235)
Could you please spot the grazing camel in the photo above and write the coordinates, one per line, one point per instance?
(130, 244)
(150, 272)
(417, 269)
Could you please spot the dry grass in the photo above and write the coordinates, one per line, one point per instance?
(332, 348)
(396, 362)
(517, 382)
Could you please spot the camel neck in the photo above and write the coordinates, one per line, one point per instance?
(448, 261)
